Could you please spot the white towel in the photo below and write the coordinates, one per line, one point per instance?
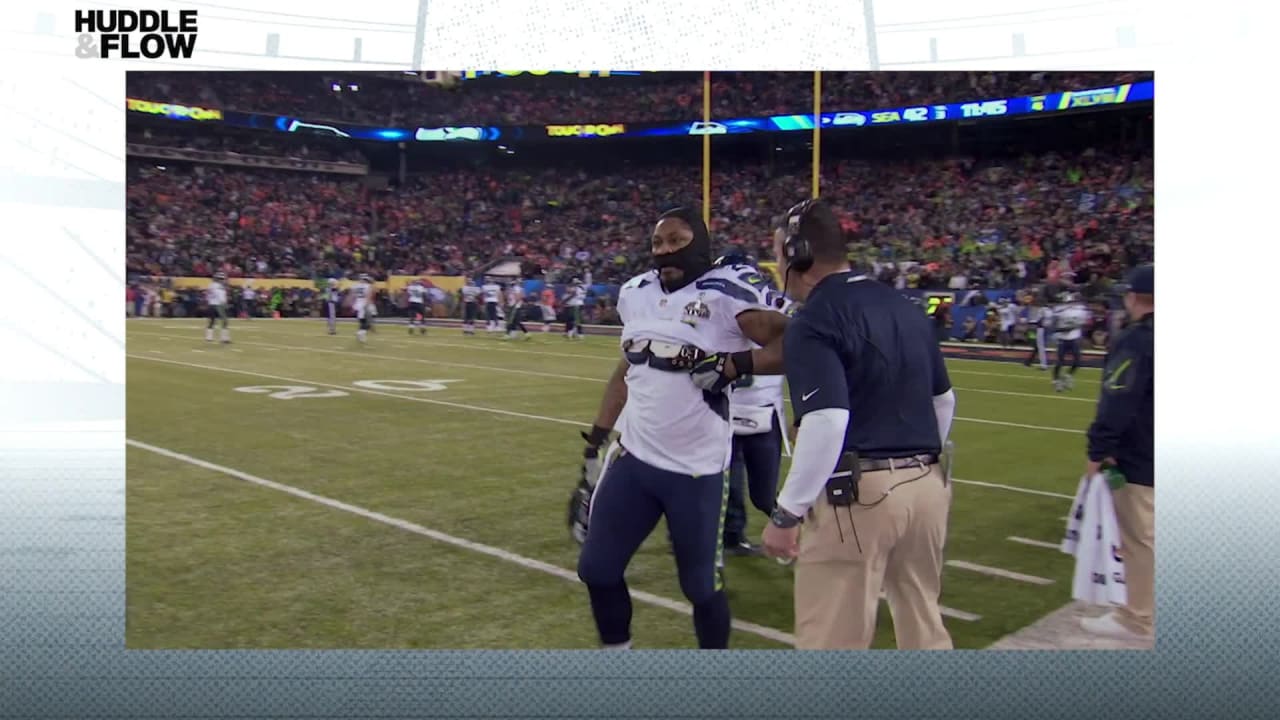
(1093, 537)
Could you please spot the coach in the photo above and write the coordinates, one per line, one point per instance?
(1122, 438)
(874, 402)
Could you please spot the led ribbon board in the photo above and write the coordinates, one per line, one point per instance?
(975, 110)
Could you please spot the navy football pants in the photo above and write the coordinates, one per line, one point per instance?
(626, 506)
(1065, 348)
(757, 460)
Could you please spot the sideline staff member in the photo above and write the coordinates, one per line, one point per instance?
(874, 403)
(1122, 436)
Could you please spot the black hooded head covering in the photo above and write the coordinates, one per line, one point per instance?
(695, 258)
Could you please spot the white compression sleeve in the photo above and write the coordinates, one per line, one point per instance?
(818, 447)
(944, 409)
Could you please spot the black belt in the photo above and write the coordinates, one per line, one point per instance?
(876, 464)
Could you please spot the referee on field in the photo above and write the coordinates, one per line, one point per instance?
(1122, 437)
(867, 481)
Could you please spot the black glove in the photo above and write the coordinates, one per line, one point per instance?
(594, 439)
(579, 509)
(580, 500)
(709, 373)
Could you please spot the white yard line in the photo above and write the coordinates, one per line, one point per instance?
(613, 358)
(948, 612)
(479, 408)
(534, 373)
(493, 552)
(1033, 543)
(998, 572)
(353, 388)
(1014, 488)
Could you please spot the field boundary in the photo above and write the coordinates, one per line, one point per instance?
(462, 543)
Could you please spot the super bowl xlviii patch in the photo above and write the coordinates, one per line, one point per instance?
(694, 311)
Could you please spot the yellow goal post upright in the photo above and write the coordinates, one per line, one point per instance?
(816, 163)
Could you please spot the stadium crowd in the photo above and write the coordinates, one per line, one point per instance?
(656, 97)
(250, 143)
(930, 224)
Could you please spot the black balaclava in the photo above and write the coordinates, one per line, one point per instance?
(695, 258)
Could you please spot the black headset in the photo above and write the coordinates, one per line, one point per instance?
(795, 247)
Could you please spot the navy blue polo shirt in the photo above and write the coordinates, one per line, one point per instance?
(858, 344)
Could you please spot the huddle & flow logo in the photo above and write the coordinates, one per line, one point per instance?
(133, 34)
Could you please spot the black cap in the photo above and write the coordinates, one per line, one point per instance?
(1142, 280)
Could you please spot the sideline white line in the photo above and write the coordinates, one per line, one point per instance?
(997, 572)
(1033, 543)
(400, 358)
(512, 371)
(1037, 377)
(500, 554)
(195, 326)
(480, 408)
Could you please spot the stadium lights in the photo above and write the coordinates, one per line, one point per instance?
(353, 87)
(336, 87)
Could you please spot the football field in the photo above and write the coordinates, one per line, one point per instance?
(296, 490)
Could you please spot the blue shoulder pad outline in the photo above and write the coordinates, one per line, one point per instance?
(730, 288)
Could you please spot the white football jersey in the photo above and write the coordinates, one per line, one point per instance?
(577, 296)
(761, 390)
(668, 422)
(491, 292)
(360, 293)
(417, 293)
(217, 293)
(1008, 316)
(515, 295)
(1069, 321)
(470, 293)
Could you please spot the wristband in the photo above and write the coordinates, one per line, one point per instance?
(597, 436)
(784, 519)
(743, 364)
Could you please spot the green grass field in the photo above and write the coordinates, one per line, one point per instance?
(291, 490)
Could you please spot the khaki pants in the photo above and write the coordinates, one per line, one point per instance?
(1135, 514)
(838, 587)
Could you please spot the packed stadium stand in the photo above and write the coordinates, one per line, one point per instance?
(1000, 203)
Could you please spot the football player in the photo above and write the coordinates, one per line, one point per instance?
(688, 330)
(1008, 313)
(757, 416)
(492, 293)
(1038, 317)
(333, 298)
(515, 305)
(216, 297)
(1069, 319)
(470, 306)
(417, 307)
(574, 299)
(362, 304)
